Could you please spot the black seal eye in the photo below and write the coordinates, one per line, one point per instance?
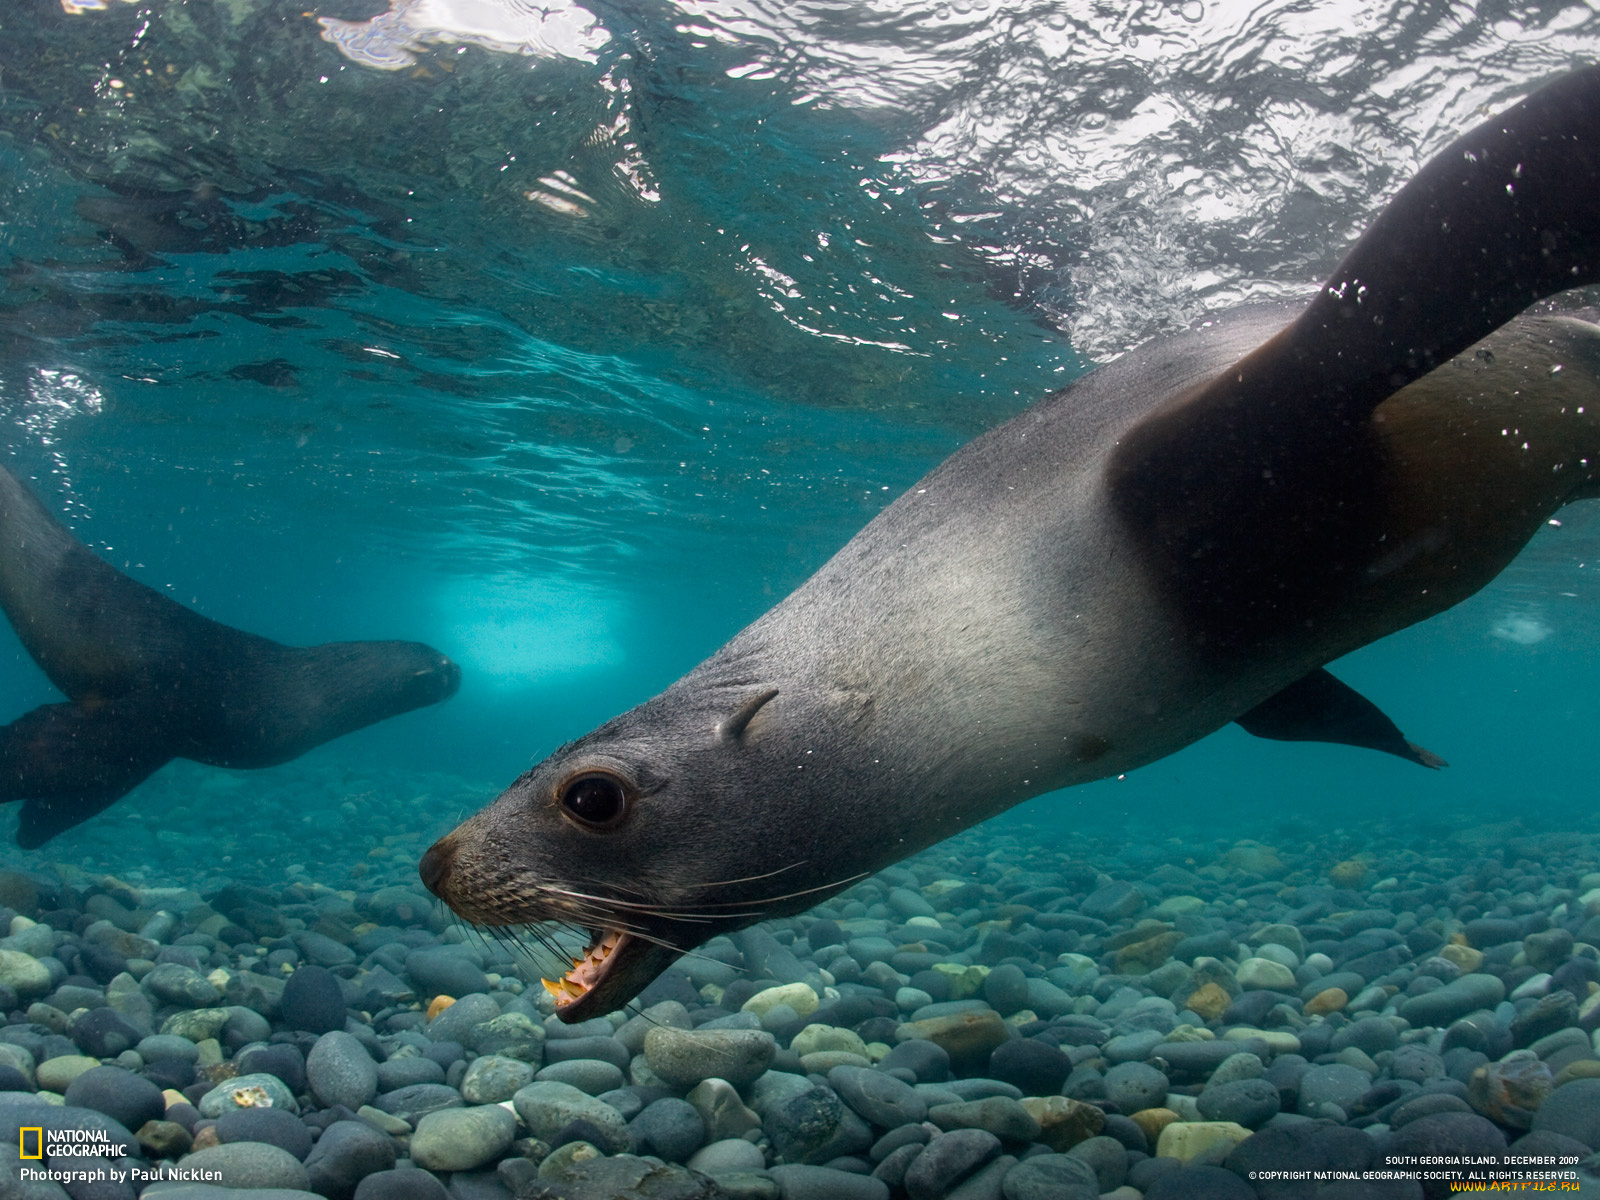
(596, 800)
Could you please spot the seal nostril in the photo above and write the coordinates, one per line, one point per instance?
(435, 865)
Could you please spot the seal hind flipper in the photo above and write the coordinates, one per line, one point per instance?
(1254, 489)
(1321, 708)
(89, 627)
(68, 763)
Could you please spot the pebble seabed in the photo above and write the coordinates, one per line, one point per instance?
(1015, 1014)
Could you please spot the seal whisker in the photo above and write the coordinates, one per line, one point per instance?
(763, 902)
(553, 964)
(605, 903)
(715, 883)
(714, 910)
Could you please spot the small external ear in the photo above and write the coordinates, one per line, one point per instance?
(732, 729)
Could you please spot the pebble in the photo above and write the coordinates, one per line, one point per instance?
(313, 1000)
(668, 1128)
(1002, 1116)
(174, 983)
(815, 1127)
(967, 1038)
(1036, 1068)
(590, 1075)
(1189, 1140)
(271, 1125)
(549, 1107)
(878, 1097)
(597, 1048)
(1264, 973)
(1248, 1102)
(56, 1074)
(346, 1153)
(727, 1156)
(1456, 999)
(408, 1184)
(723, 1112)
(445, 970)
(1207, 1182)
(104, 1033)
(1572, 1110)
(463, 1139)
(946, 1160)
(1331, 1084)
(798, 1181)
(684, 1057)
(24, 974)
(247, 1091)
(126, 1098)
(248, 1165)
(1052, 1177)
(403, 1070)
(1107, 1157)
(1133, 1086)
(340, 1071)
(491, 1078)
(799, 998)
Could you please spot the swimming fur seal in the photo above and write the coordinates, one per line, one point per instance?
(148, 680)
(1178, 540)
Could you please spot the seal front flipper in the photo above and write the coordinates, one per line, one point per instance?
(1255, 490)
(1319, 708)
(68, 763)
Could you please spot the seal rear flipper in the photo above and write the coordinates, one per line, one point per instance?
(91, 628)
(1255, 490)
(1319, 708)
(68, 763)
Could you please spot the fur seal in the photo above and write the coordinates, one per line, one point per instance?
(148, 680)
(1178, 540)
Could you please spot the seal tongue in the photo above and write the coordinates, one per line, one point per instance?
(587, 971)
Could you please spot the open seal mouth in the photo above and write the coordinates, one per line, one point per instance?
(587, 972)
(613, 969)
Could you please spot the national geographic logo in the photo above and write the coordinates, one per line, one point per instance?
(36, 1142)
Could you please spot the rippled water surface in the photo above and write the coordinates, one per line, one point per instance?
(570, 339)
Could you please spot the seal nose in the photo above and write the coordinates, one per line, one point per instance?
(435, 865)
(451, 674)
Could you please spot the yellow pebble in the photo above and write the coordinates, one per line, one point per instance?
(1329, 1000)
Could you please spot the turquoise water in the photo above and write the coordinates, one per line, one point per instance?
(571, 363)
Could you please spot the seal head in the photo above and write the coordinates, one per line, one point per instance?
(618, 835)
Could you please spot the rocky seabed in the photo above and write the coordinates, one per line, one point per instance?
(1010, 1016)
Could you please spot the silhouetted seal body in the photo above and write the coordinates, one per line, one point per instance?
(1176, 541)
(148, 680)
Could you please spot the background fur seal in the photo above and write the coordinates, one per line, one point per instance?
(1177, 541)
(149, 680)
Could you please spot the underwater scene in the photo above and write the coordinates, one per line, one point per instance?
(788, 600)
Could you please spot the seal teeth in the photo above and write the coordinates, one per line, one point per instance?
(584, 973)
(564, 990)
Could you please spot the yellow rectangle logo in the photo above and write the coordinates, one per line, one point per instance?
(38, 1141)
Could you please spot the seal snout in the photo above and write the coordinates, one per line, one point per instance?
(436, 863)
(449, 675)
